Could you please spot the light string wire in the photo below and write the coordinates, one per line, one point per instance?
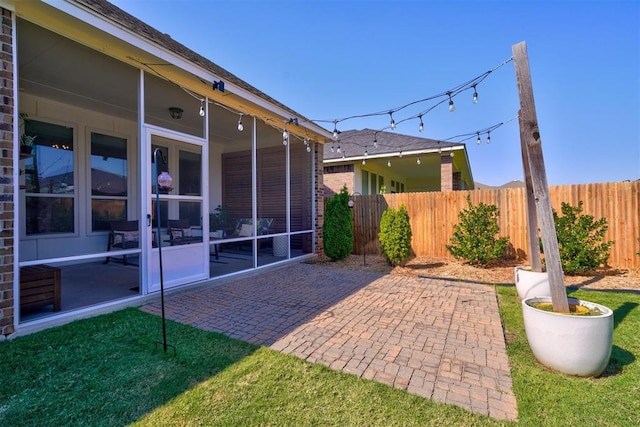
(459, 139)
(451, 93)
(446, 95)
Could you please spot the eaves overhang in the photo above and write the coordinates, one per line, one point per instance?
(79, 22)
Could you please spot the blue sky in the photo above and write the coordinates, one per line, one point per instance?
(333, 59)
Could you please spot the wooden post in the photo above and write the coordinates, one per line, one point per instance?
(532, 218)
(531, 134)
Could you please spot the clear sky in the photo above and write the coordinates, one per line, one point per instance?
(333, 59)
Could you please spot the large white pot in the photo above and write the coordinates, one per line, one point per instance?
(531, 283)
(574, 345)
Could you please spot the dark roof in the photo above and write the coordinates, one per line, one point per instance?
(353, 143)
(136, 26)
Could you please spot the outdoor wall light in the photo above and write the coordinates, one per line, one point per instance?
(176, 112)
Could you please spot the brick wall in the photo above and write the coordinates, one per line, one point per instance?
(446, 173)
(6, 176)
(336, 177)
(319, 199)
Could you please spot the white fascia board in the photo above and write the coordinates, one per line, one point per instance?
(102, 23)
(394, 154)
(8, 5)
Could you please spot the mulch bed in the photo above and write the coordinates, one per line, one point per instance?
(499, 273)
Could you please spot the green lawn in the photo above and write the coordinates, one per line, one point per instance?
(106, 371)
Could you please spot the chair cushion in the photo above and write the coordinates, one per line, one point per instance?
(127, 236)
(180, 233)
(246, 230)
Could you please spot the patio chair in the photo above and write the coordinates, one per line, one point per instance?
(123, 235)
(181, 232)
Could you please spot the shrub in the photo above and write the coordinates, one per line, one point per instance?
(580, 239)
(395, 235)
(337, 230)
(474, 236)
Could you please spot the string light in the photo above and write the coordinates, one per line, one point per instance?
(393, 122)
(421, 126)
(240, 125)
(335, 130)
(333, 148)
(475, 94)
(201, 108)
(489, 137)
(364, 162)
(389, 163)
(338, 149)
(400, 154)
(452, 107)
(285, 136)
(375, 140)
(418, 161)
(479, 139)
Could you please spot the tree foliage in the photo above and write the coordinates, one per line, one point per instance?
(395, 235)
(474, 238)
(337, 230)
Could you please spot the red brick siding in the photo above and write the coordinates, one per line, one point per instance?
(6, 176)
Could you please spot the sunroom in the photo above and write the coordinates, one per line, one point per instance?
(106, 104)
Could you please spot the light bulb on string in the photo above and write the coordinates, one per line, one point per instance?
(308, 148)
(375, 142)
(389, 163)
(366, 153)
(418, 161)
(333, 148)
(452, 107)
(393, 122)
(478, 141)
(364, 162)
(285, 134)
(335, 129)
(475, 95)
(421, 125)
(488, 137)
(240, 125)
(400, 154)
(338, 149)
(201, 109)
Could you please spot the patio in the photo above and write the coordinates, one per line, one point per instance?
(439, 339)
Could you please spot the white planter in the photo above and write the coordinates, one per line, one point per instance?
(531, 283)
(574, 345)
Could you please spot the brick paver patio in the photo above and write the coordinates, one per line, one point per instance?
(436, 338)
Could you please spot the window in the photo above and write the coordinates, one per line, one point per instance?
(49, 179)
(365, 183)
(108, 180)
(374, 183)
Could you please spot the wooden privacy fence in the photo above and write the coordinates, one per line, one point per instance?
(433, 215)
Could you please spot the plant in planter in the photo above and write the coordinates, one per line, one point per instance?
(572, 344)
(218, 220)
(26, 141)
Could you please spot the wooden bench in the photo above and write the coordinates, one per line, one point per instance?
(40, 285)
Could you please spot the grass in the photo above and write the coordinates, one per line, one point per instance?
(106, 371)
(550, 399)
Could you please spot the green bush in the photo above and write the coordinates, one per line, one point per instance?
(580, 239)
(395, 235)
(337, 230)
(474, 238)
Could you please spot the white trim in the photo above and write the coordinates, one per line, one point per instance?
(395, 154)
(9, 6)
(16, 173)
